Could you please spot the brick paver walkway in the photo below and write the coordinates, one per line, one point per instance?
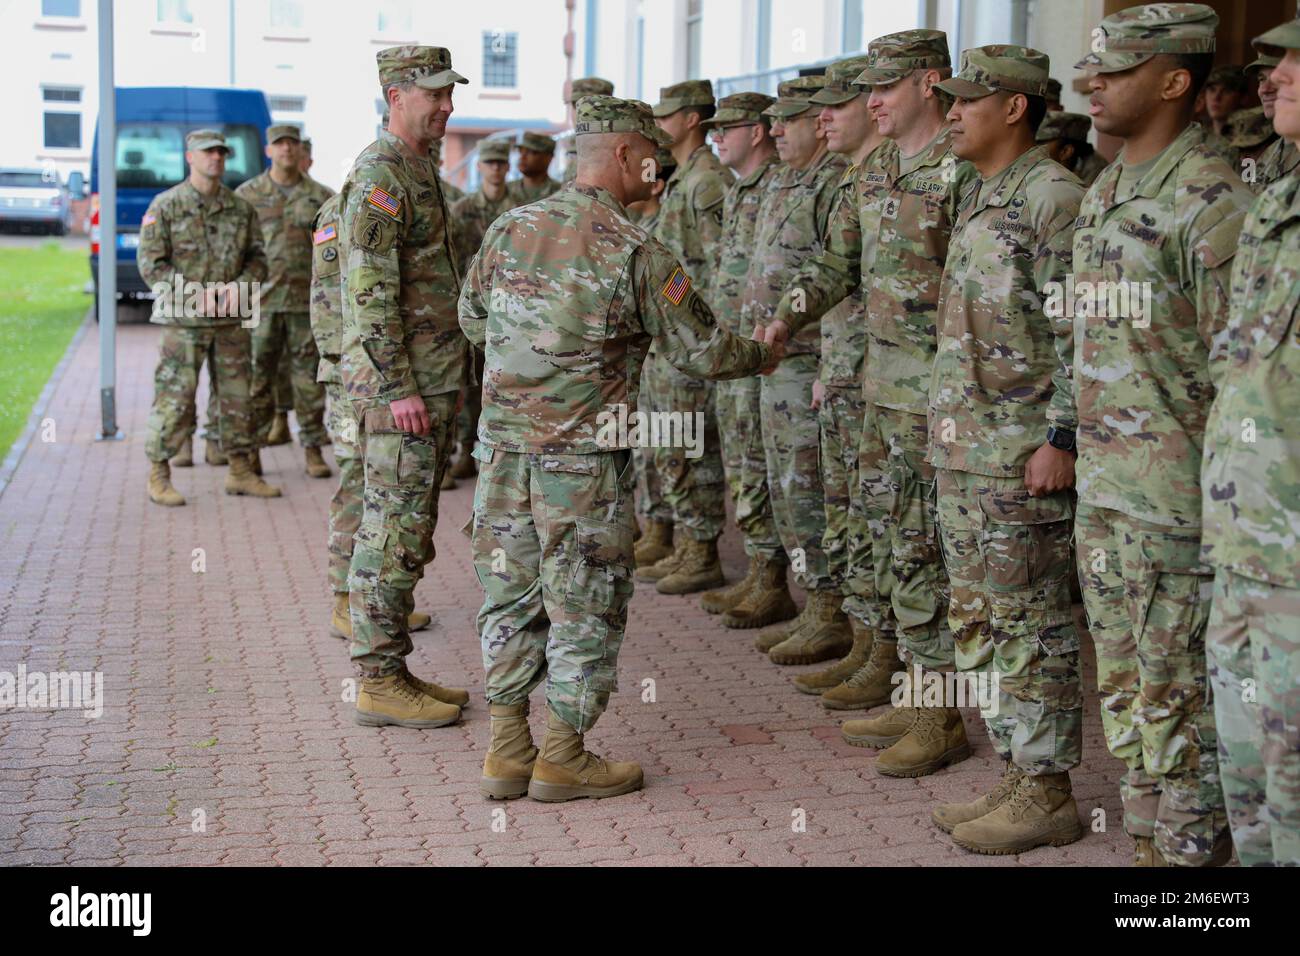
(223, 695)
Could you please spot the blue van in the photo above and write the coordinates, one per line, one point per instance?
(151, 126)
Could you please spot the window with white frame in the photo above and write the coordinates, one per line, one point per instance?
(287, 104)
(394, 18)
(62, 117)
(286, 15)
(175, 11)
(500, 59)
(694, 30)
(61, 8)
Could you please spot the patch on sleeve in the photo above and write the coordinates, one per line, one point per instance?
(324, 235)
(148, 220)
(677, 286)
(382, 200)
(374, 233)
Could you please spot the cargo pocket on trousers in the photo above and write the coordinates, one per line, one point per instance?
(916, 536)
(600, 566)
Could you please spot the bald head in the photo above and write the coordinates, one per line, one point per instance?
(622, 163)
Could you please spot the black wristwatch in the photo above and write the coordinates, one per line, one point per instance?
(1060, 438)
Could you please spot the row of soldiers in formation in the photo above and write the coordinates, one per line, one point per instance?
(932, 361)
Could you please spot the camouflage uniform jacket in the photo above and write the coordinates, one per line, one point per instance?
(1002, 371)
(521, 194)
(1252, 441)
(326, 312)
(400, 336)
(472, 216)
(184, 237)
(1090, 169)
(450, 193)
(735, 249)
(565, 298)
(690, 215)
(1278, 160)
(1144, 385)
(286, 237)
(796, 206)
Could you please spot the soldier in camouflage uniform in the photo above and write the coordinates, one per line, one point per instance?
(689, 224)
(1166, 220)
(646, 213)
(403, 363)
(791, 223)
(1065, 135)
(851, 131)
(1250, 133)
(1281, 157)
(565, 297)
(200, 232)
(1002, 434)
(286, 204)
(742, 135)
(583, 86)
(536, 150)
(1251, 513)
(327, 329)
(1054, 96)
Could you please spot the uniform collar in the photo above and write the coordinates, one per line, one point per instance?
(601, 195)
(930, 155)
(804, 177)
(218, 199)
(398, 145)
(1153, 180)
(762, 170)
(1003, 186)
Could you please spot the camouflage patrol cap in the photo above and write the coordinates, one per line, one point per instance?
(681, 95)
(894, 56)
(987, 69)
(1231, 76)
(840, 87)
(1134, 35)
(589, 85)
(665, 161)
(425, 66)
(1262, 62)
(537, 142)
(1275, 42)
(1053, 91)
(1249, 128)
(283, 131)
(609, 114)
(305, 142)
(739, 109)
(201, 139)
(795, 97)
(494, 151)
(1062, 125)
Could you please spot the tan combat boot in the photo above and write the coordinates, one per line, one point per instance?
(822, 681)
(827, 634)
(879, 732)
(240, 479)
(447, 695)
(936, 739)
(724, 599)
(948, 815)
(508, 765)
(185, 457)
(213, 455)
(565, 770)
(255, 461)
(341, 619)
(315, 461)
(465, 467)
(161, 491)
(448, 480)
(279, 433)
(768, 602)
(1146, 854)
(1040, 812)
(698, 569)
(664, 566)
(391, 701)
(872, 684)
(656, 543)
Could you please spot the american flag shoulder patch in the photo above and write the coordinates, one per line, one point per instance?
(382, 200)
(676, 287)
(148, 220)
(324, 235)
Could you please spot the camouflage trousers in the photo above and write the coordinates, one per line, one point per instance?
(651, 503)
(284, 383)
(907, 595)
(1009, 567)
(745, 460)
(394, 541)
(181, 353)
(276, 334)
(693, 488)
(1147, 595)
(552, 541)
(467, 419)
(792, 443)
(1253, 648)
(847, 539)
(345, 507)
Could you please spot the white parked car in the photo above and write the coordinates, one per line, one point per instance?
(32, 197)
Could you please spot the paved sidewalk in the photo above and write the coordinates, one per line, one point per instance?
(223, 698)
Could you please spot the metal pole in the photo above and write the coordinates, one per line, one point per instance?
(107, 229)
(232, 42)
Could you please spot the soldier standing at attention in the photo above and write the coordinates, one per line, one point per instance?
(305, 162)
(1066, 137)
(1281, 157)
(743, 137)
(1002, 426)
(287, 202)
(565, 334)
(404, 362)
(327, 329)
(583, 86)
(791, 225)
(536, 150)
(690, 225)
(1251, 510)
(200, 232)
(1164, 218)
